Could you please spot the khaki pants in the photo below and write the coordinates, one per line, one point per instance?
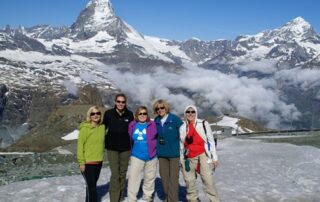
(169, 173)
(137, 168)
(206, 177)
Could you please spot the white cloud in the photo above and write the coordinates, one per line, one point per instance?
(305, 78)
(211, 90)
(71, 87)
(265, 66)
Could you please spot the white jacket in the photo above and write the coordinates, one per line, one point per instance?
(207, 137)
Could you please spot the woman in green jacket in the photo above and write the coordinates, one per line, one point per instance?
(90, 151)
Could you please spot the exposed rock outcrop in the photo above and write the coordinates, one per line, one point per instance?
(57, 121)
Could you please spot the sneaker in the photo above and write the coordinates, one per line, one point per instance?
(124, 199)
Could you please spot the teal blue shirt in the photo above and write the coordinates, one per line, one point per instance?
(170, 133)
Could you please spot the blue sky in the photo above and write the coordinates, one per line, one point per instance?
(172, 19)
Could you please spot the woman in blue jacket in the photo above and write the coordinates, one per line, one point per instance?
(168, 149)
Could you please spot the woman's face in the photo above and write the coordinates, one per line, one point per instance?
(95, 116)
(142, 116)
(190, 114)
(120, 103)
(161, 110)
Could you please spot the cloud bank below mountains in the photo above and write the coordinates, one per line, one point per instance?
(210, 91)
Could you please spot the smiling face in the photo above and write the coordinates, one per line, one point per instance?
(95, 116)
(190, 115)
(161, 110)
(120, 103)
(142, 115)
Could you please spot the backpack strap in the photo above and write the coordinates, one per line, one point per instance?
(204, 127)
(205, 131)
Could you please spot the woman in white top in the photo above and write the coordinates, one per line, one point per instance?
(198, 155)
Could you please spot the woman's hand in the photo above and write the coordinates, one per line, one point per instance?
(215, 164)
(82, 168)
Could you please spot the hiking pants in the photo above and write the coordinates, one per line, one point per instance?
(118, 162)
(206, 177)
(169, 173)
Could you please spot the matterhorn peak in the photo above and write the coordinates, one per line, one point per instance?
(103, 8)
(97, 15)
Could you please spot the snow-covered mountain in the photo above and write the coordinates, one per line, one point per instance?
(271, 77)
(289, 46)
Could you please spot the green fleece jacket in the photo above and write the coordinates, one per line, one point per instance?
(90, 146)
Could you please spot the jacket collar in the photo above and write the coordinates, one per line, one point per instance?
(125, 111)
(169, 119)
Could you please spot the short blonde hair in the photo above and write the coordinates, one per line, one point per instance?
(137, 113)
(88, 119)
(161, 102)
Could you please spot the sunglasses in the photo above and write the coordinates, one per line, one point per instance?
(190, 112)
(119, 101)
(157, 109)
(95, 113)
(143, 113)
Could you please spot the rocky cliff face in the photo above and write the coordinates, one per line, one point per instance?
(3, 98)
(14, 107)
(58, 120)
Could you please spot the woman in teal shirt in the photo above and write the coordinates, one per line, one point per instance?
(168, 149)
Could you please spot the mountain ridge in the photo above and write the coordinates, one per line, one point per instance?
(253, 75)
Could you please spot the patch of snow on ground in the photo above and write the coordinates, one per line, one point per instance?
(62, 151)
(71, 136)
(278, 136)
(250, 170)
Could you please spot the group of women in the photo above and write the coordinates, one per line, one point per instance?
(136, 138)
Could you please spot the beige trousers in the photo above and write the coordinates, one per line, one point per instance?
(206, 177)
(137, 168)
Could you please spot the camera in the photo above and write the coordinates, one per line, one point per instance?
(162, 141)
(189, 140)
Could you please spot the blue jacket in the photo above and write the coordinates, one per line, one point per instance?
(170, 133)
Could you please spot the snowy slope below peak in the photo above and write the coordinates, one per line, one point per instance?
(101, 43)
(157, 47)
(37, 68)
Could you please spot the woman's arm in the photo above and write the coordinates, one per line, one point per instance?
(210, 140)
(80, 147)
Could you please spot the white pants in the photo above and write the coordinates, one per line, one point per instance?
(137, 168)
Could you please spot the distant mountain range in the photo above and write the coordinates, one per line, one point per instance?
(272, 77)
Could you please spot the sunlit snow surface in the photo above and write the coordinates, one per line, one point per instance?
(249, 170)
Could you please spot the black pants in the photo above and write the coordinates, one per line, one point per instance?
(91, 176)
